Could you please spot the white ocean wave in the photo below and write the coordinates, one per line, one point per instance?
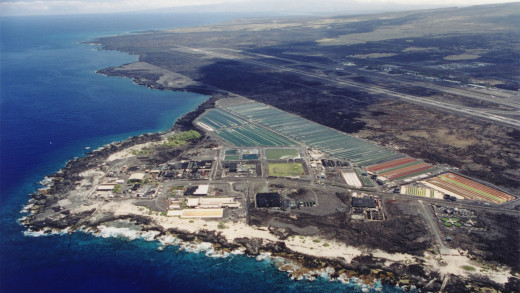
(46, 181)
(343, 279)
(206, 247)
(326, 273)
(196, 247)
(266, 256)
(45, 232)
(34, 233)
(126, 232)
(134, 232)
(240, 250)
(217, 253)
(27, 208)
(169, 240)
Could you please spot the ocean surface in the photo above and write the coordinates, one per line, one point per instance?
(54, 107)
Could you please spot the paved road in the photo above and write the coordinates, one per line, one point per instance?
(498, 96)
(479, 113)
(294, 183)
(443, 249)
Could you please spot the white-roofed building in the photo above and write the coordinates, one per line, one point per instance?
(193, 202)
(106, 187)
(136, 177)
(202, 190)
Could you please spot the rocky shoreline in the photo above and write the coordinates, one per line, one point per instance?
(367, 268)
(45, 216)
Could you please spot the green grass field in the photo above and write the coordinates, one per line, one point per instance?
(277, 154)
(231, 158)
(286, 169)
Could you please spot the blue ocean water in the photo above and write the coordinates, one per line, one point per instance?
(53, 106)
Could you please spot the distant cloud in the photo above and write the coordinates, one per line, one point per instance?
(28, 7)
(99, 6)
(439, 2)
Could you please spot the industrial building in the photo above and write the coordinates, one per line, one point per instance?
(268, 200)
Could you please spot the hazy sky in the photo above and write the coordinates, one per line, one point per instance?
(37, 7)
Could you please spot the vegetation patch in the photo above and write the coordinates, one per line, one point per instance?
(117, 188)
(286, 169)
(231, 152)
(221, 225)
(142, 152)
(231, 158)
(282, 154)
(182, 138)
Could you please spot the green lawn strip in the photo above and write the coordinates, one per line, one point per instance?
(180, 139)
(285, 169)
(364, 179)
(483, 193)
(276, 154)
(417, 191)
(410, 190)
(231, 158)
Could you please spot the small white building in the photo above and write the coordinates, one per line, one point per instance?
(201, 190)
(137, 176)
(193, 202)
(106, 187)
(174, 206)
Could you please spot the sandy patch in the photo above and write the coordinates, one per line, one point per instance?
(461, 265)
(91, 178)
(412, 29)
(128, 152)
(325, 248)
(167, 78)
(453, 263)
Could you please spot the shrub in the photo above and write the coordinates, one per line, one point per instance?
(117, 188)
(182, 138)
(221, 225)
